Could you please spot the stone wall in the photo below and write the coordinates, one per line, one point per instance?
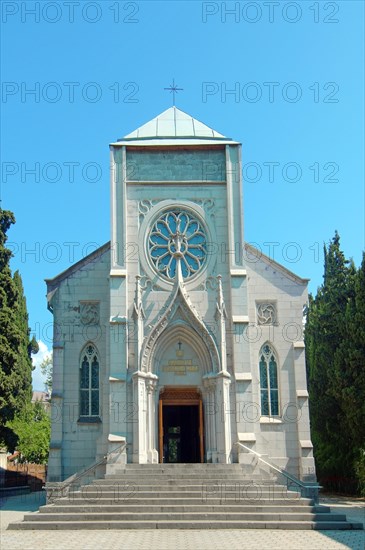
(81, 315)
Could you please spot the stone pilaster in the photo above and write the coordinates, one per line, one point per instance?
(223, 425)
(210, 415)
(139, 417)
(152, 453)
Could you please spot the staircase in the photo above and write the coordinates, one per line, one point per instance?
(184, 496)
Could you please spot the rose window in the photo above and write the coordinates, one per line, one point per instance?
(177, 234)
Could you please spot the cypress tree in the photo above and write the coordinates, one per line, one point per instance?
(325, 331)
(349, 374)
(15, 345)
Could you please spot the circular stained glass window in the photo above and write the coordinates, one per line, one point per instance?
(177, 234)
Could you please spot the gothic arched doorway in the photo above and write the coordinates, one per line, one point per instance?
(180, 421)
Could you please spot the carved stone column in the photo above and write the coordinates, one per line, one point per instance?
(152, 453)
(210, 415)
(139, 418)
(223, 425)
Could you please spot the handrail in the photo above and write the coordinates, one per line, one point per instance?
(286, 474)
(64, 484)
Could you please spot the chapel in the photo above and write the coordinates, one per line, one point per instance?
(177, 340)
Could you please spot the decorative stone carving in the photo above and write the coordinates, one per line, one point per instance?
(139, 317)
(221, 316)
(266, 313)
(207, 204)
(211, 283)
(151, 385)
(145, 282)
(144, 206)
(90, 313)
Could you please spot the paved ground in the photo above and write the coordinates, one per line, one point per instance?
(13, 509)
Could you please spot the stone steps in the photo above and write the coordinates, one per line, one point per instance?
(166, 496)
(79, 501)
(172, 475)
(205, 489)
(186, 516)
(180, 467)
(218, 524)
(183, 500)
(221, 508)
(184, 496)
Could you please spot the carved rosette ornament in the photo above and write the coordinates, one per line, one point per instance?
(266, 313)
(89, 313)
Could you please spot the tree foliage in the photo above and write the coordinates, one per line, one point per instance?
(32, 427)
(47, 371)
(15, 344)
(335, 352)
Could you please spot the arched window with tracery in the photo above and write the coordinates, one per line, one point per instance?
(89, 382)
(269, 389)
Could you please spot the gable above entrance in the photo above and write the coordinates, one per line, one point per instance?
(181, 317)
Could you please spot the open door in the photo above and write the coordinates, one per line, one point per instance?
(181, 432)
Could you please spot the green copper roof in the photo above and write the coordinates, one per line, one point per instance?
(174, 123)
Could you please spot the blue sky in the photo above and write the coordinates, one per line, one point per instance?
(98, 71)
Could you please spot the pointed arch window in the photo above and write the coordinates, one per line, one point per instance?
(269, 389)
(89, 383)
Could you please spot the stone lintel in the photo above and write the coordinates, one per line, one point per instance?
(114, 438)
(118, 272)
(299, 345)
(270, 420)
(243, 376)
(306, 444)
(117, 378)
(240, 319)
(247, 436)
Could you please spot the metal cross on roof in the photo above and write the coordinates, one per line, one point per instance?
(174, 90)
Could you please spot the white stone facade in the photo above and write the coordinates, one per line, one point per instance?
(172, 317)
